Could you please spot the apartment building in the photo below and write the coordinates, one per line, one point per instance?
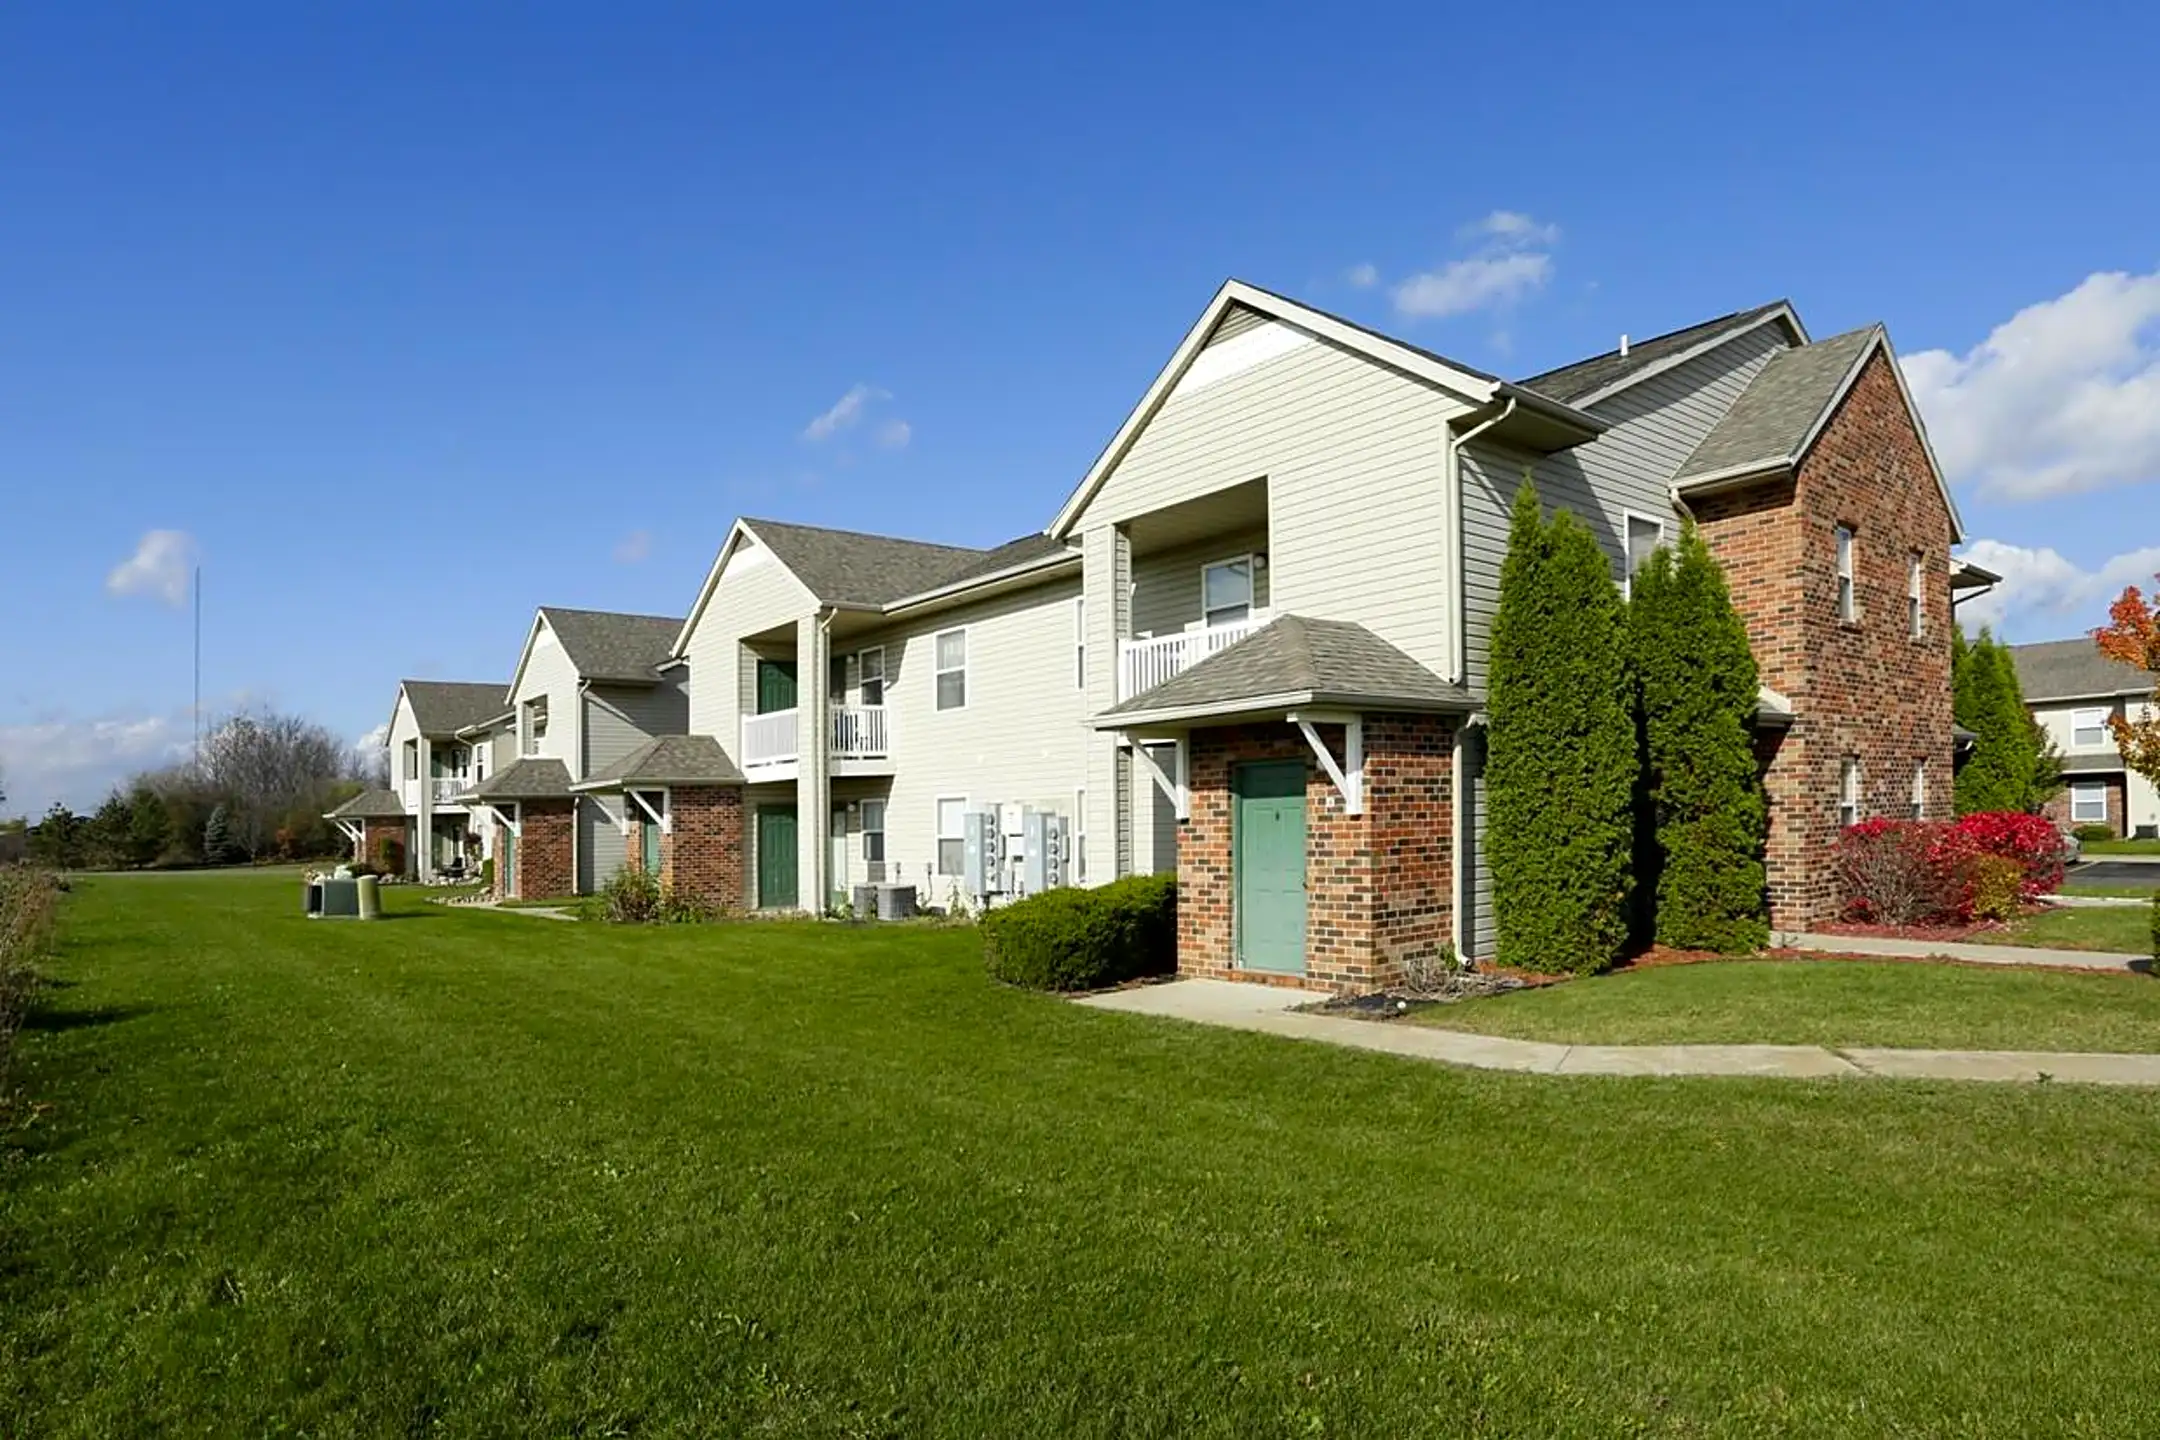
(2073, 691)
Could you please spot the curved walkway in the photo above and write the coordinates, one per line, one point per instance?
(1271, 1011)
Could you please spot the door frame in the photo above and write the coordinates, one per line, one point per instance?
(1238, 772)
(794, 815)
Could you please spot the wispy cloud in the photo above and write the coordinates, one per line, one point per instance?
(1512, 260)
(2062, 397)
(160, 568)
(632, 548)
(894, 435)
(1363, 275)
(845, 413)
(2043, 595)
(78, 760)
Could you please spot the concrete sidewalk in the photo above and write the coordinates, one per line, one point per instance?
(1270, 1010)
(1978, 954)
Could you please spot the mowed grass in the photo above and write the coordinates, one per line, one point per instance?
(1828, 1002)
(2124, 929)
(477, 1174)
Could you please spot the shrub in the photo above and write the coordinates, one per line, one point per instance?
(1563, 757)
(632, 897)
(360, 868)
(1994, 885)
(1080, 939)
(1904, 872)
(29, 902)
(2031, 840)
(2093, 834)
(487, 873)
(389, 855)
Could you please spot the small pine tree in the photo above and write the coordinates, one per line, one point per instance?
(1697, 686)
(218, 847)
(1561, 772)
(148, 827)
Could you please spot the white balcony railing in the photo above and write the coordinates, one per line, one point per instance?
(449, 787)
(855, 732)
(1144, 664)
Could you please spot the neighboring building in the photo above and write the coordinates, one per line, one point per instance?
(590, 688)
(2073, 690)
(433, 762)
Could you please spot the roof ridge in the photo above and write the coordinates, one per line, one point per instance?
(611, 614)
(1746, 312)
(753, 521)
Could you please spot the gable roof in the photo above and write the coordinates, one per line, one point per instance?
(850, 567)
(530, 778)
(1586, 382)
(444, 707)
(2075, 670)
(1291, 661)
(668, 760)
(370, 805)
(604, 645)
(1472, 386)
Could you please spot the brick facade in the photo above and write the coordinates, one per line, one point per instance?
(1379, 886)
(2058, 808)
(701, 852)
(546, 832)
(374, 830)
(1862, 688)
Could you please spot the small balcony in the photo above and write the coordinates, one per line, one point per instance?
(440, 790)
(1146, 663)
(858, 741)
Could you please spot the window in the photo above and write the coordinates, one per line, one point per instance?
(1848, 806)
(412, 759)
(1078, 832)
(952, 670)
(1919, 788)
(1916, 597)
(458, 762)
(2088, 728)
(1644, 535)
(1080, 643)
(952, 835)
(870, 675)
(2088, 804)
(479, 763)
(1847, 606)
(535, 717)
(873, 832)
(1226, 591)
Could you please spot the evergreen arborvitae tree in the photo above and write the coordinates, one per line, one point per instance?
(1561, 768)
(1697, 685)
(218, 846)
(2012, 766)
(148, 827)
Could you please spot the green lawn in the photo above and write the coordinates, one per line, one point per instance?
(2121, 847)
(470, 1173)
(2125, 929)
(1827, 1002)
(2118, 892)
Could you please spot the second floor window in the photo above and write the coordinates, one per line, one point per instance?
(536, 721)
(1080, 644)
(1848, 805)
(870, 675)
(1848, 605)
(1916, 597)
(952, 675)
(412, 759)
(2088, 728)
(1226, 591)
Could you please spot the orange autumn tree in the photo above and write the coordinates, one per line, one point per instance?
(2132, 637)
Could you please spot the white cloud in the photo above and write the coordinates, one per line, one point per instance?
(845, 413)
(632, 547)
(1464, 285)
(79, 761)
(2062, 397)
(2044, 596)
(1513, 228)
(895, 434)
(1363, 276)
(160, 567)
(373, 740)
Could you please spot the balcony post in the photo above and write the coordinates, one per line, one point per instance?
(813, 748)
(423, 860)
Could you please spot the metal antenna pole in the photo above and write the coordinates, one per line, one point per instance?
(198, 669)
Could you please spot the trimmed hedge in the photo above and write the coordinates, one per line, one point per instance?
(1085, 939)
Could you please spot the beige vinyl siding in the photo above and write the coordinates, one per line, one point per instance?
(1236, 321)
(1354, 455)
(403, 727)
(755, 593)
(1166, 586)
(1023, 737)
(548, 672)
(1655, 426)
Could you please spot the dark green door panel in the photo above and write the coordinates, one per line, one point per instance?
(775, 686)
(776, 857)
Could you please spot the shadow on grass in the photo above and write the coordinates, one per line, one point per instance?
(54, 1022)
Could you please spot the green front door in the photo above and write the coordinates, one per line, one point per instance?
(1268, 866)
(776, 857)
(775, 686)
(649, 844)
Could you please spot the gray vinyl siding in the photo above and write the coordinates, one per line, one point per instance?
(1355, 459)
(601, 848)
(1166, 586)
(1655, 426)
(620, 718)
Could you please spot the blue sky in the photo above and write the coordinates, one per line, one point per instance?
(406, 321)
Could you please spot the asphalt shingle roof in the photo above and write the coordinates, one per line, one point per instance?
(1774, 415)
(531, 778)
(671, 760)
(1570, 383)
(606, 646)
(444, 707)
(370, 805)
(848, 567)
(1316, 661)
(2074, 670)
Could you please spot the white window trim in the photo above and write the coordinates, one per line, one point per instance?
(1846, 558)
(2079, 793)
(938, 671)
(1076, 841)
(865, 830)
(1252, 584)
(937, 821)
(1079, 607)
(1627, 561)
(1919, 788)
(1850, 788)
(1916, 599)
(862, 670)
(2100, 714)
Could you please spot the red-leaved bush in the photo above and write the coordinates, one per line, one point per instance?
(1924, 872)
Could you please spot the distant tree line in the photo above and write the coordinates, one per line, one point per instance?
(258, 792)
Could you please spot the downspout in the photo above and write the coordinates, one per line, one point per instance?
(1459, 664)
